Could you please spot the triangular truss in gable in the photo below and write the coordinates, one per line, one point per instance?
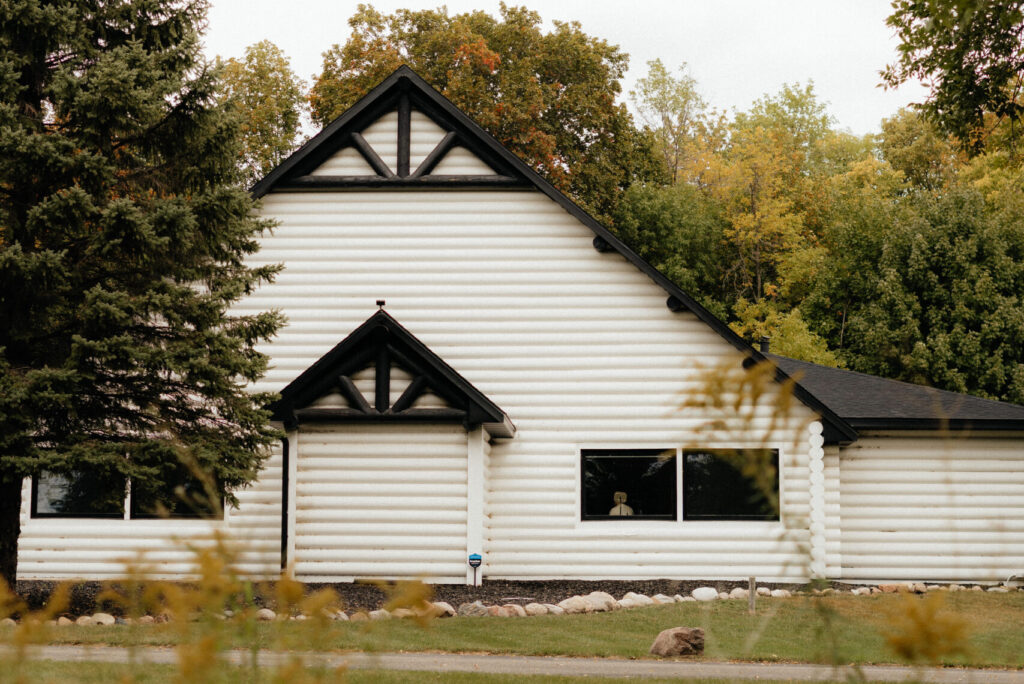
(401, 136)
(382, 373)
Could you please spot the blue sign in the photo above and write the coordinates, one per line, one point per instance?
(475, 559)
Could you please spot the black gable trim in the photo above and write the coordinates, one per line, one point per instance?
(405, 82)
(382, 340)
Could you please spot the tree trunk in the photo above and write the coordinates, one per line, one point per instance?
(10, 527)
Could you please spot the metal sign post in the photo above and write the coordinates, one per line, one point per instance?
(475, 559)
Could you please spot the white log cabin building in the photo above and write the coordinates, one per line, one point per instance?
(521, 396)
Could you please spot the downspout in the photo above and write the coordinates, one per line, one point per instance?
(284, 503)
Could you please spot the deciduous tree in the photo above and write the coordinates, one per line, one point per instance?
(971, 55)
(271, 100)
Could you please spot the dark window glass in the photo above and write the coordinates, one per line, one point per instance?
(182, 496)
(715, 486)
(629, 484)
(84, 494)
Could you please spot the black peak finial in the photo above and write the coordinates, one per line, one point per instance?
(380, 304)
(764, 344)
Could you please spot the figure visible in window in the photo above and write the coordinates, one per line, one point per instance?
(620, 507)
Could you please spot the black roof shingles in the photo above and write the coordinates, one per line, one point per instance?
(870, 402)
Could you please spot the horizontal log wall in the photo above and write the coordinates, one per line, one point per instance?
(929, 506)
(578, 347)
(64, 548)
(381, 501)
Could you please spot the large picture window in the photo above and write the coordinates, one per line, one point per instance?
(83, 494)
(623, 484)
(664, 484)
(87, 494)
(734, 484)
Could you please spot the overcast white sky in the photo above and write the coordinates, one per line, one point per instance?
(738, 50)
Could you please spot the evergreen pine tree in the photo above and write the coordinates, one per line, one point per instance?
(123, 234)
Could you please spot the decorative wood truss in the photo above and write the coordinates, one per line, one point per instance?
(384, 347)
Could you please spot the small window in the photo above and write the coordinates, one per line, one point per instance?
(84, 494)
(635, 484)
(735, 484)
(182, 496)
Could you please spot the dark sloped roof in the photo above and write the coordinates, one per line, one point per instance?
(382, 341)
(404, 81)
(870, 402)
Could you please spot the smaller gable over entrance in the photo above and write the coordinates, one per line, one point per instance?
(383, 373)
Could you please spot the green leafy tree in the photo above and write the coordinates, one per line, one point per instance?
(970, 54)
(681, 231)
(122, 238)
(548, 97)
(674, 112)
(928, 159)
(271, 100)
(927, 289)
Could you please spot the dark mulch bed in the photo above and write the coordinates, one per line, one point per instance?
(366, 596)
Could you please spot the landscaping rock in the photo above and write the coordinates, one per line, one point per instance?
(723, 595)
(360, 616)
(679, 641)
(955, 587)
(554, 610)
(764, 591)
(443, 609)
(976, 588)
(998, 590)
(495, 611)
(739, 593)
(687, 599)
(63, 621)
(474, 609)
(889, 588)
(602, 601)
(661, 598)
(679, 598)
(84, 620)
(704, 593)
(626, 604)
(861, 591)
(380, 614)
(575, 605)
(639, 599)
(535, 609)
(515, 610)
(401, 613)
(144, 620)
(8, 622)
(340, 616)
(918, 587)
(936, 587)
(781, 593)
(265, 615)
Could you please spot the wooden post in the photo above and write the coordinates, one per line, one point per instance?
(751, 594)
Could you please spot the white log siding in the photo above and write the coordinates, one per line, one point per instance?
(578, 348)
(100, 549)
(381, 501)
(930, 506)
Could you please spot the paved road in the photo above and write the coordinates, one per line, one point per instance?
(536, 665)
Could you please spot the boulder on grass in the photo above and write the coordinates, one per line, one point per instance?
(576, 604)
(515, 610)
(554, 610)
(602, 601)
(474, 609)
(679, 641)
(639, 599)
(704, 593)
(442, 609)
(661, 598)
(265, 615)
(105, 619)
(535, 609)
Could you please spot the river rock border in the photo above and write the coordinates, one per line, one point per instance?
(594, 602)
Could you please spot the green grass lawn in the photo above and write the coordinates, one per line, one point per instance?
(839, 629)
